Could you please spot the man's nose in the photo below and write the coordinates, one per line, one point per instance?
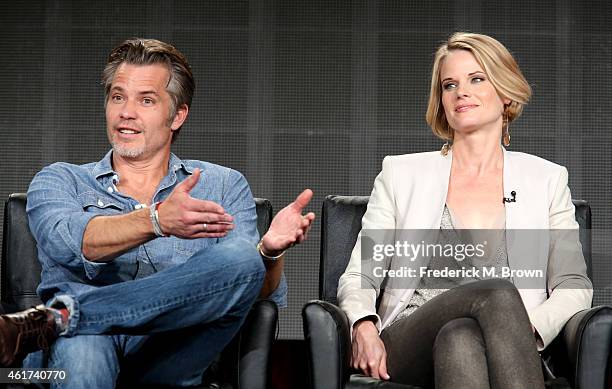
(128, 109)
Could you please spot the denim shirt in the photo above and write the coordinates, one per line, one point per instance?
(62, 199)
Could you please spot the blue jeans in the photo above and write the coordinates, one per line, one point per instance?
(162, 329)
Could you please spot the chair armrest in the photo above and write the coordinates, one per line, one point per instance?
(359, 381)
(326, 331)
(588, 338)
(256, 337)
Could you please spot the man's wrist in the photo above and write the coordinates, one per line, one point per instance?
(266, 255)
(154, 216)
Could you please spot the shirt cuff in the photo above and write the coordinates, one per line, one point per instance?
(73, 230)
(93, 269)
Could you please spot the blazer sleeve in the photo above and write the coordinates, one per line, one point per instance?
(568, 284)
(357, 289)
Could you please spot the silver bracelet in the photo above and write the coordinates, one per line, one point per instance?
(154, 215)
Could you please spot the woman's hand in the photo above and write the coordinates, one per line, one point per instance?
(369, 354)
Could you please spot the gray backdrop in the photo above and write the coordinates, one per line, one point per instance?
(312, 94)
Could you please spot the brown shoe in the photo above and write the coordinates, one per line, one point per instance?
(24, 332)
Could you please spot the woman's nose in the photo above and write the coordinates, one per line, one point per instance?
(462, 90)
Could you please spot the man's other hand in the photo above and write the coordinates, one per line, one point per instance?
(289, 226)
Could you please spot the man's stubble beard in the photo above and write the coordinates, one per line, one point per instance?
(126, 152)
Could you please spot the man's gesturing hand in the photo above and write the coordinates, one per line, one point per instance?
(186, 217)
(289, 227)
(369, 354)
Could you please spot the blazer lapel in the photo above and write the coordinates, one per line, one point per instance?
(425, 207)
(526, 249)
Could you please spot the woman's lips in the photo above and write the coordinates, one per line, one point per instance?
(464, 108)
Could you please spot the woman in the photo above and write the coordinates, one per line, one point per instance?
(478, 333)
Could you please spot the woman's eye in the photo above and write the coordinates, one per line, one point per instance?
(448, 86)
(477, 79)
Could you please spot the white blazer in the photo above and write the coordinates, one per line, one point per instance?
(410, 193)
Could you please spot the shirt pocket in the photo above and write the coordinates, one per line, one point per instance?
(100, 203)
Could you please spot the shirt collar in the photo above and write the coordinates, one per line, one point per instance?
(176, 164)
(104, 167)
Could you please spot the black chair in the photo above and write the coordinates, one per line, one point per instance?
(244, 362)
(581, 353)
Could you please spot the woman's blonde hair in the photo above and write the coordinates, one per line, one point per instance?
(500, 67)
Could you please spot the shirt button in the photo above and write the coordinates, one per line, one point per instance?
(110, 189)
(100, 203)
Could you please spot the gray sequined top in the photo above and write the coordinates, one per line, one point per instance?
(495, 257)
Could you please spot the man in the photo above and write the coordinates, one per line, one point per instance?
(149, 263)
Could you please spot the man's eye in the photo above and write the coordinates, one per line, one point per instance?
(147, 101)
(116, 98)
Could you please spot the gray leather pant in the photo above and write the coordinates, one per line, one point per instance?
(473, 336)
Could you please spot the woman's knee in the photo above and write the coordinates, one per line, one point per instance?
(460, 355)
(459, 335)
(499, 293)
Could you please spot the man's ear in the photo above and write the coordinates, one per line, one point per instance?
(180, 117)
